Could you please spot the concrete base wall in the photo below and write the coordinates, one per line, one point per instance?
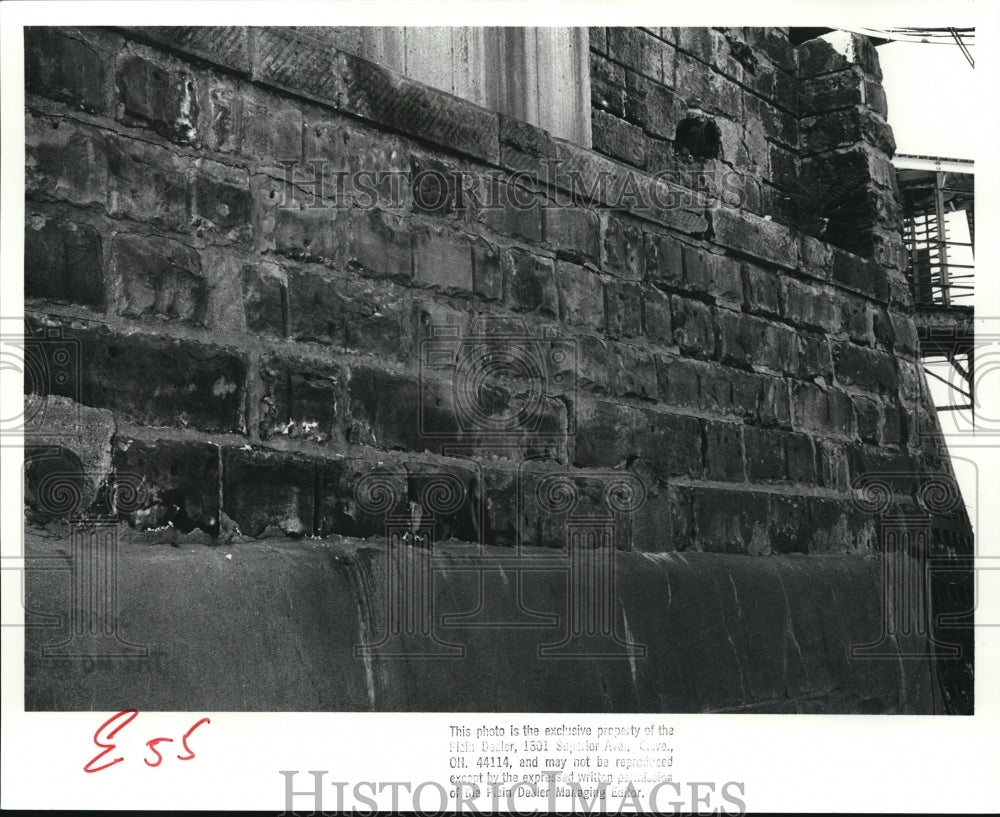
(273, 625)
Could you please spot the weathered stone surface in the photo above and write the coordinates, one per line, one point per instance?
(664, 259)
(265, 298)
(730, 521)
(270, 130)
(607, 85)
(355, 314)
(632, 372)
(822, 411)
(574, 233)
(148, 183)
(744, 373)
(62, 262)
(519, 213)
(64, 68)
(66, 161)
(809, 306)
(693, 327)
(487, 276)
(619, 139)
(180, 482)
(747, 341)
(762, 290)
(723, 451)
(611, 434)
(756, 237)
(262, 488)
(222, 45)
(653, 107)
(159, 97)
(832, 92)
(379, 246)
(657, 323)
(623, 309)
(370, 91)
(846, 127)
(222, 200)
(581, 296)
(529, 282)
(713, 274)
(346, 505)
(392, 411)
(195, 384)
(815, 359)
(443, 261)
(872, 371)
(67, 455)
(638, 50)
(622, 252)
(302, 399)
(724, 611)
(159, 277)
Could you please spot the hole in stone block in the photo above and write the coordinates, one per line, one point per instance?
(699, 137)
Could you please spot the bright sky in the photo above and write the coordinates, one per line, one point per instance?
(931, 95)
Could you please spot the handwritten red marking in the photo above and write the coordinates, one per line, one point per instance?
(184, 740)
(105, 740)
(152, 745)
(131, 715)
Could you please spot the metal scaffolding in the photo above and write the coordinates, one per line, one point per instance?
(935, 192)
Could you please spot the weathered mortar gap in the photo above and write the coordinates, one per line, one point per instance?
(703, 428)
(221, 482)
(286, 314)
(317, 493)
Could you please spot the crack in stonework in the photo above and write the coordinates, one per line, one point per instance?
(631, 656)
(729, 638)
(736, 596)
(789, 631)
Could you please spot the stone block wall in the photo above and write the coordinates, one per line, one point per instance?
(646, 81)
(261, 344)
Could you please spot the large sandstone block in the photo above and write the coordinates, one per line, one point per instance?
(227, 46)
(730, 521)
(746, 341)
(357, 314)
(302, 399)
(723, 451)
(157, 381)
(63, 262)
(694, 327)
(864, 368)
(66, 161)
(619, 139)
(607, 85)
(159, 278)
(756, 237)
(262, 488)
(180, 482)
(529, 282)
(148, 183)
(574, 233)
(64, 68)
(158, 96)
